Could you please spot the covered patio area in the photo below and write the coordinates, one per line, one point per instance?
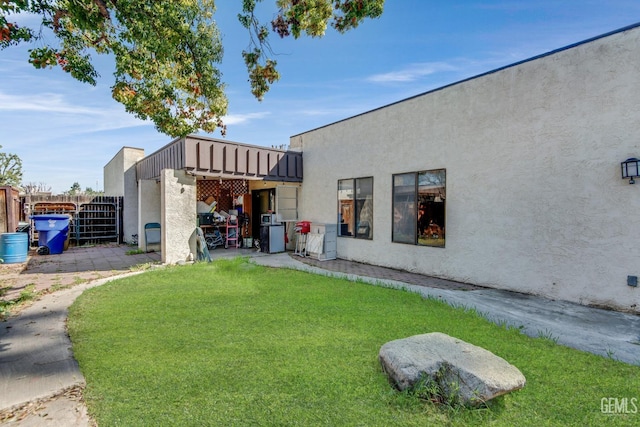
(203, 182)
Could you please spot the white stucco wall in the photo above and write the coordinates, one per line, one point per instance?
(535, 202)
(120, 180)
(112, 174)
(149, 205)
(178, 192)
(130, 204)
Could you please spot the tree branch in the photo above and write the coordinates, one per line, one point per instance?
(60, 13)
(102, 7)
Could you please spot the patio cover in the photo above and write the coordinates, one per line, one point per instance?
(215, 158)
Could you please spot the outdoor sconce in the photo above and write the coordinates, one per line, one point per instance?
(630, 169)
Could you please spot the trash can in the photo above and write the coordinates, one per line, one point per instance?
(14, 247)
(52, 231)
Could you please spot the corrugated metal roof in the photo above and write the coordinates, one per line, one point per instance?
(209, 157)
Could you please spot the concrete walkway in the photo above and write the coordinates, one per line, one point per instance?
(36, 361)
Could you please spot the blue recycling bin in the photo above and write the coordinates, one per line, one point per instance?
(52, 231)
(14, 247)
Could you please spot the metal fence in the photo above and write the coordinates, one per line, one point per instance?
(93, 219)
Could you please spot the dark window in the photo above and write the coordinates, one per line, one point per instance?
(355, 208)
(419, 200)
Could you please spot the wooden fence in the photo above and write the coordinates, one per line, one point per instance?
(9, 209)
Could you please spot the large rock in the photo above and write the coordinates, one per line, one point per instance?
(449, 369)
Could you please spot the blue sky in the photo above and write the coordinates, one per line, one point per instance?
(65, 131)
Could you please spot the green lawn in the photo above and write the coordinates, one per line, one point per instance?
(230, 343)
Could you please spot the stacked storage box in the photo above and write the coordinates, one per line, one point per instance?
(322, 241)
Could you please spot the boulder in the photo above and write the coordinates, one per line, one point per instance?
(448, 370)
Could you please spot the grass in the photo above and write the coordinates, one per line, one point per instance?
(135, 252)
(29, 293)
(142, 267)
(234, 344)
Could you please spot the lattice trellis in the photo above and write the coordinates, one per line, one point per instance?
(223, 192)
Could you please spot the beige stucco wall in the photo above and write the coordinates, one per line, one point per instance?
(113, 177)
(535, 202)
(149, 205)
(113, 172)
(130, 204)
(120, 180)
(178, 195)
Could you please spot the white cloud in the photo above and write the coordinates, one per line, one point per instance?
(236, 119)
(337, 112)
(13, 65)
(49, 102)
(30, 115)
(412, 72)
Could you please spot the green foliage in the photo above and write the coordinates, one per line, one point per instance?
(74, 190)
(232, 343)
(312, 16)
(547, 335)
(442, 388)
(167, 52)
(295, 18)
(135, 252)
(10, 169)
(10, 33)
(29, 293)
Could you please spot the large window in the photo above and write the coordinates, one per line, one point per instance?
(355, 208)
(419, 200)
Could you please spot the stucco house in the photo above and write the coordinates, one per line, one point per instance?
(170, 186)
(510, 179)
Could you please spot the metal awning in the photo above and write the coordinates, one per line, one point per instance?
(215, 158)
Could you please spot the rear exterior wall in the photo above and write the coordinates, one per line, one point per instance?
(532, 153)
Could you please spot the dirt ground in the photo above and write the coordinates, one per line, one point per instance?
(46, 273)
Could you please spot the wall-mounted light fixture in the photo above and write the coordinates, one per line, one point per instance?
(630, 169)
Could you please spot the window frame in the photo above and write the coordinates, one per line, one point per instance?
(355, 222)
(408, 220)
